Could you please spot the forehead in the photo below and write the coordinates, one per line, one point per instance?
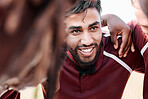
(89, 16)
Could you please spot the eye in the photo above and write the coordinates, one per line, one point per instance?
(93, 28)
(75, 31)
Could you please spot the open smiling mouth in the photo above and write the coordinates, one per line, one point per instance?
(87, 51)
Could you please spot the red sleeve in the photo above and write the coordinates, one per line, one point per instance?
(138, 36)
(138, 39)
(11, 94)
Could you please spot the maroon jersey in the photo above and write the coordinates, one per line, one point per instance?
(141, 41)
(106, 81)
(11, 94)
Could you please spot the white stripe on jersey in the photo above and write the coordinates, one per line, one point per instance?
(144, 49)
(108, 34)
(119, 36)
(118, 60)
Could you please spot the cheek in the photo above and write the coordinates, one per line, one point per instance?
(72, 41)
(97, 37)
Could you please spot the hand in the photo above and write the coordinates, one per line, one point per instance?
(117, 27)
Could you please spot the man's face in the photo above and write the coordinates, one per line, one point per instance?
(84, 35)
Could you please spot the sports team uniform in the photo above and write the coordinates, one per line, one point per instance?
(141, 41)
(105, 80)
(10, 94)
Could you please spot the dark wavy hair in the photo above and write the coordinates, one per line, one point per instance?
(82, 5)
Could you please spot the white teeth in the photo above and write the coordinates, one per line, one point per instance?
(86, 50)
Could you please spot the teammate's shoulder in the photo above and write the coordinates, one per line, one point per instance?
(133, 24)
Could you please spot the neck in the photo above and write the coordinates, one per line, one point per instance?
(145, 29)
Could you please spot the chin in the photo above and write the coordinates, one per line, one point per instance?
(85, 62)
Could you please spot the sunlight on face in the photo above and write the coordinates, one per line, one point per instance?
(84, 34)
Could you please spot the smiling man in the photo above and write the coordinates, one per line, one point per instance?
(84, 37)
(92, 68)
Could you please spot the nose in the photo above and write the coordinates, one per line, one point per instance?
(86, 39)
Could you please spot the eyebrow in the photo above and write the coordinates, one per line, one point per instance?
(79, 27)
(95, 23)
(75, 27)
